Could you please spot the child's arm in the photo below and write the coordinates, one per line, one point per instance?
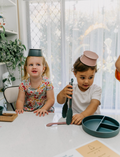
(49, 103)
(61, 97)
(77, 118)
(20, 101)
(117, 64)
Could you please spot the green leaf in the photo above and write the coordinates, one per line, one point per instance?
(2, 89)
(13, 78)
(4, 80)
(11, 52)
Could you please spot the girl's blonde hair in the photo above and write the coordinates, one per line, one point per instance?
(79, 66)
(45, 73)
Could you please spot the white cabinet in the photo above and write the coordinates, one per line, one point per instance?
(8, 9)
(1, 99)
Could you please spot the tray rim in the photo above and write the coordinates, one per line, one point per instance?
(98, 133)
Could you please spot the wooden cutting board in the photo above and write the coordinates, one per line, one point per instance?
(8, 117)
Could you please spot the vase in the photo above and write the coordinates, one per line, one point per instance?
(6, 80)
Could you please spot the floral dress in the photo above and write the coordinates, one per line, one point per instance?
(36, 98)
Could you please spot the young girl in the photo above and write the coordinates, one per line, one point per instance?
(117, 71)
(36, 91)
(85, 95)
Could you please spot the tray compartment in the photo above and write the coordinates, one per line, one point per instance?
(106, 128)
(110, 121)
(93, 123)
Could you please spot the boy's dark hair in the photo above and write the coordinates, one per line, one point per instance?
(79, 66)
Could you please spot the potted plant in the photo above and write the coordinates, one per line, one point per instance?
(11, 53)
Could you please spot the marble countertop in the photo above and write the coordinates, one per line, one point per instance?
(28, 136)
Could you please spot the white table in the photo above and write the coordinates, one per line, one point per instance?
(28, 136)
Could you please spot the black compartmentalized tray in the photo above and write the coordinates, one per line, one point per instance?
(100, 126)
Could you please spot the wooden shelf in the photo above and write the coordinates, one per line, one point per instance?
(8, 32)
(2, 63)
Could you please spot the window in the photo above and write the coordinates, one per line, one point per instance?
(63, 29)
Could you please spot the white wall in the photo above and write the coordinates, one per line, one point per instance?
(22, 22)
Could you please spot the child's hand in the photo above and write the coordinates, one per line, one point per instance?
(19, 111)
(41, 112)
(67, 91)
(77, 119)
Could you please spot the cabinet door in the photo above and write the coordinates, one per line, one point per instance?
(8, 9)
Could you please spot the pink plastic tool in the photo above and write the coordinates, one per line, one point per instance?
(58, 123)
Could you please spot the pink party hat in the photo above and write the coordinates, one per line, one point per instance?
(89, 58)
